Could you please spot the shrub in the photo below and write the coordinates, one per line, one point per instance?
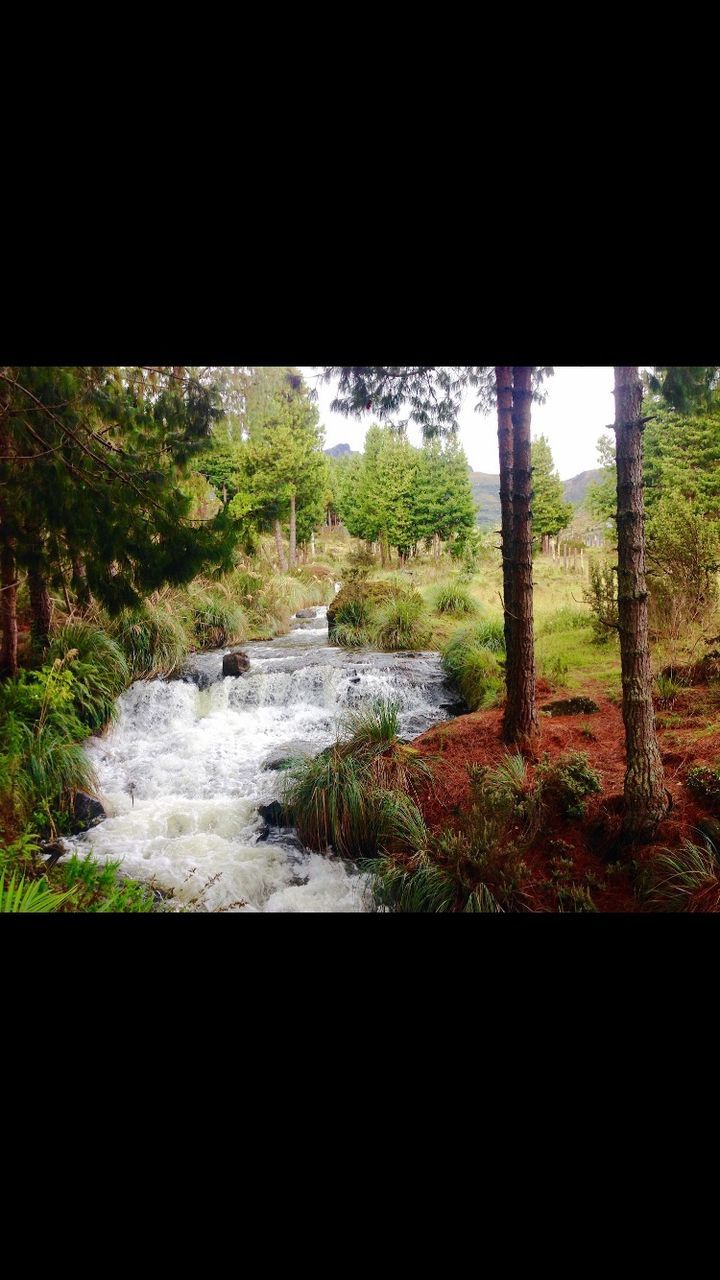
(454, 600)
(567, 781)
(152, 639)
(683, 554)
(402, 623)
(704, 783)
(601, 595)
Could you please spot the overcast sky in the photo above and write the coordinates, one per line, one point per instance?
(579, 404)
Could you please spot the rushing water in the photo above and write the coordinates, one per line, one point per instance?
(181, 773)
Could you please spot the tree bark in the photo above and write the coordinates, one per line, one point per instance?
(521, 726)
(646, 799)
(293, 531)
(79, 581)
(8, 574)
(280, 548)
(40, 603)
(503, 385)
(8, 611)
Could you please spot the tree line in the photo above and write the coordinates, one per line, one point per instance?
(398, 497)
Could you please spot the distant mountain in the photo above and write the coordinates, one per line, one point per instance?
(338, 450)
(486, 491)
(576, 488)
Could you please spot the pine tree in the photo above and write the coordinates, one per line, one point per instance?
(646, 799)
(551, 513)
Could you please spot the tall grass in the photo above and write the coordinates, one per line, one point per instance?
(402, 623)
(339, 800)
(98, 666)
(684, 879)
(152, 639)
(454, 600)
(470, 658)
(42, 762)
(478, 867)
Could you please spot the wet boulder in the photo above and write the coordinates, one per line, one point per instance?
(87, 811)
(306, 613)
(235, 664)
(273, 814)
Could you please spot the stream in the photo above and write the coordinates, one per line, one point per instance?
(183, 770)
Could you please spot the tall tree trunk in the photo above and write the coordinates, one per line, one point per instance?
(504, 389)
(40, 603)
(8, 610)
(280, 548)
(8, 578)
(293, 531)
(646, 800)
(521, 725)
(79, 581)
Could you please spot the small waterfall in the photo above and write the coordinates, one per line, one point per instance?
(181, 772)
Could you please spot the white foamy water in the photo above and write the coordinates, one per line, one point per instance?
(181, 772)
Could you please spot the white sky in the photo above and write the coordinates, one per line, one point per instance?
(579, 404)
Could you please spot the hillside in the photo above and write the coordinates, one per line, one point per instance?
(486, 491)
(338, 451)
(575, 489)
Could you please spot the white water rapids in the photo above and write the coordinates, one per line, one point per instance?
(181, 772)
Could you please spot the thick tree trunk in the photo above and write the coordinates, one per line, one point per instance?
(503, 384)
(646, 800)
(293, 531)
(8, 610)
(521, 725)
(280, 548)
